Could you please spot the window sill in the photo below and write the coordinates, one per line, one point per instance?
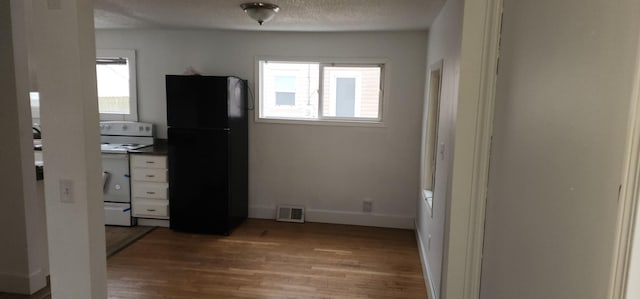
(312, 122)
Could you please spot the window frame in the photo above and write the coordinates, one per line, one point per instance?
(382, 63)
(430, 143)
(130, 55)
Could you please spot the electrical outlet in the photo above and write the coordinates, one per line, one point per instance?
(66, 191)
(367, 205)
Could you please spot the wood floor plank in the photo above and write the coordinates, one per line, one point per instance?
(268, 259)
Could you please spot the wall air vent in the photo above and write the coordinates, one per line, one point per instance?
(289, 213)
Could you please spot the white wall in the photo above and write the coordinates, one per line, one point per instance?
(328, 169)
(564, 89)
(65, 55)
(23, 250)
(445, 37)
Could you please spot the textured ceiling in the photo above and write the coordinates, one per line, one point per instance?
(294, 15)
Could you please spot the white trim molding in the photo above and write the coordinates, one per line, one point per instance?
(340, 217)
(428, 278)
(628, 198)
(474, 127)
(23, 284)
(488, 78)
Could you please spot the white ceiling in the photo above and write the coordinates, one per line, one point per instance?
(294, 15)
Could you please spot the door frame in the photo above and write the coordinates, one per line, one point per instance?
(479, 59)
(628, 198)
(486, 16)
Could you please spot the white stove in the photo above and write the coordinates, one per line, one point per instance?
(122, 136)
(120, 148)
(118, 138)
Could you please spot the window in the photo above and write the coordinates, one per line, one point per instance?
(289, 90)
(317, 91)
(430, 142)
(116, 81)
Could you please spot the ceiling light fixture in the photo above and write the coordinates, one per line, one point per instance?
(259, 11)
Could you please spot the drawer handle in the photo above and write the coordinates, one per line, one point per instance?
(151, 210)
(150, 162)
(150, 192)
(151, 176)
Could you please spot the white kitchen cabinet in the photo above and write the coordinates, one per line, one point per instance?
(149, 186)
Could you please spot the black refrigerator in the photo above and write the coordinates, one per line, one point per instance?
(208, 153)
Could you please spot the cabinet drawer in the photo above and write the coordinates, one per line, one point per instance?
(148, 161)
(150, 208)
(149, 174)
(150, 190)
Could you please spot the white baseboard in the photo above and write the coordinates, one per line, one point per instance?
(425, 266)
(18, 284)
(262, 212)
(340, 217)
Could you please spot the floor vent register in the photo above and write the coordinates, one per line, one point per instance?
(288, 213)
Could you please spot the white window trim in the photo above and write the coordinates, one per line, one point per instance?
(133, 89)
(385, 67)
(428, 192)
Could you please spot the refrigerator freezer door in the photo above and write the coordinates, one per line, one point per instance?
(198, 180)
(197, 101)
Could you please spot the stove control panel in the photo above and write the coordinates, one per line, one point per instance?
(125, 128)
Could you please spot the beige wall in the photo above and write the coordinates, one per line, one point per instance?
(444, 46)
(358, 163)
(562, 103)
(65, 68)
(23, 254)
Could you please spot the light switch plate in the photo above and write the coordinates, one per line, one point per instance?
(66, 190)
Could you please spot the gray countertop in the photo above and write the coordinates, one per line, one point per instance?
(159, 147)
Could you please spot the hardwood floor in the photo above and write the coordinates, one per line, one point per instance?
(118, 237)
(268, 259)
